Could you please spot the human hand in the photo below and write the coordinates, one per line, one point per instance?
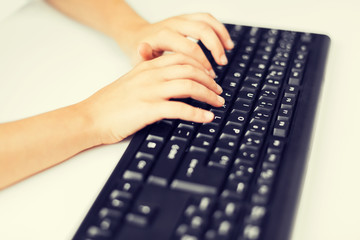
(149, 41)
(142, 97)
(144, 41)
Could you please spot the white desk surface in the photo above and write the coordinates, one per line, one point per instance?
(48, 61)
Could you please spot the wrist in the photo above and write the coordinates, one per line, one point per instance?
(128, 38)
(124, 27)
(87, 130)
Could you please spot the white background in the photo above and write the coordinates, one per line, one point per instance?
(48, 61)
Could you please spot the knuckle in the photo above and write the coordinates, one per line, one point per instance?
(164, 32)
(146, 64)
(180, 57)
(205, 30)
(188, 111)
(193, 112)
(203, 27)
(189, 86)
(172, 20)
(206, 15)
(163, 110)
(194, 48)
(183, 108)
(188, 69)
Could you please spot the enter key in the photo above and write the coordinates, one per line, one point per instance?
(195, 176)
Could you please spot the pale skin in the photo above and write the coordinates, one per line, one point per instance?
(116, 111)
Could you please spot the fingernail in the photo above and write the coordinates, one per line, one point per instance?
(221, 100)
(209, 116)
(212, 73)
(223, 60)
(219, 88)
(230, 44)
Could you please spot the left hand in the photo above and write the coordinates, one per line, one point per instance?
(152, 40)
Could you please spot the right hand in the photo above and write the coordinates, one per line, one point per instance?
(142, 97)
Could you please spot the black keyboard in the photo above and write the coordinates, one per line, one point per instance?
(238, 177)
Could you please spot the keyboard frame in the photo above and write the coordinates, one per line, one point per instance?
(286, 197)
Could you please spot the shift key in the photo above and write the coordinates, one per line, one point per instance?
(195, 176)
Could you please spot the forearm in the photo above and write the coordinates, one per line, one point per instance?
(115, 18)
(37, 143)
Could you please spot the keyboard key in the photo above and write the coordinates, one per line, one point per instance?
(259, 75)
(227, 142)
(231, 84)
(225, 228)
(184, 131)
(288, 102)
(168, 161)
(266, 102)
(247, 94)
(253, 140)
(119, 203)
(262, 113)
(285, 113)
(273, 82)
(238, 117)
(252, 83)
(272, 160)
(261, 194)
(96, 232)
(291, 91)
(227, 95)
(276, 145)
(248, 154)
(108, 224)
(233, 128)
(203, 141)
(209, 129)
(255, 215)
(218, 116)
(258, 126)
(152, 145)
(281, 128)
(109, 213)
(138, 169)
(161, 129)
(125, 189)
(251, 232)
(267, 176)
(190, 176)
(141, 215)
(242, 105)
(268, 91)
(221, 158)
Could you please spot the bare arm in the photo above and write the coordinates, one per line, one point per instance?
(115, 18)
(142, 40)
(39, 142)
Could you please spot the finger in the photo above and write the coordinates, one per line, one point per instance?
(175, 42)
(176, 59)
(188, 72)
(204, 32)
(185, 88)
(218, 27)
(145, 51)
(179, 110)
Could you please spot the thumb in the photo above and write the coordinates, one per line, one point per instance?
(145, 51)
